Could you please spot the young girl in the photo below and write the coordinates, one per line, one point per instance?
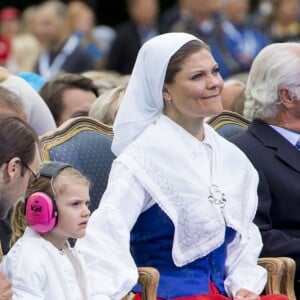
(41, 264)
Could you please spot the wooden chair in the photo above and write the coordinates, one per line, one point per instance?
(281, 275)
(229, 123)
(148, 279)
(85, 143)
(281, 270)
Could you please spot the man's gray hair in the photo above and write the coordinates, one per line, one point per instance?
(277, 65)
(11, 100)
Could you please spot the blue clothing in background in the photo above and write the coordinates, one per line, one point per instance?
(35, 80)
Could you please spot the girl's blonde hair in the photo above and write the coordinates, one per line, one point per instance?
(42, 184)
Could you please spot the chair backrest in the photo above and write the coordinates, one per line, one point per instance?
(85, 143)
(229, 123)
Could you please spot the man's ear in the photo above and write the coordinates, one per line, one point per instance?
(285, 97)
(14, 168)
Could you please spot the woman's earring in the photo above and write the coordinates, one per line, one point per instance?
(169, 101)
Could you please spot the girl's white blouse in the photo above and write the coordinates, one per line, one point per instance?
(38, 270)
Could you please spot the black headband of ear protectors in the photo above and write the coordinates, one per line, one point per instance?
(52, 168)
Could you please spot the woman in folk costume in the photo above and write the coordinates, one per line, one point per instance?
(182, 197)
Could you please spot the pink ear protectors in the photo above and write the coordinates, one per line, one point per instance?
(40, 210)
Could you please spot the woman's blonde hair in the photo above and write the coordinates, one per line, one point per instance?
(105, 80)
(42, 184)
(105, 108)
(3, 74)
(25, 49)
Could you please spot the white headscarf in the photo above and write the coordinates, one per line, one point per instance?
(143, 100)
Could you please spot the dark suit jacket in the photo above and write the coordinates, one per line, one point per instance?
(124, 49)
(278, 164)
(170, 17)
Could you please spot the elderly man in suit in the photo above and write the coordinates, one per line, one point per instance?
(272, 143)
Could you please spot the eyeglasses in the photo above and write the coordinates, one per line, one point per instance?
(32, 174)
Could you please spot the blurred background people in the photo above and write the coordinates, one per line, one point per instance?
(9, 27)
(202, 18)
(231, 89)
(69, 96)
(223, 26)
(104, 80)
(62, 51)
(283, 24)
(24, 52)
(10, 21)
(141, 26)
(180, 10)
(242, 42)
(261, 12)
(36, 81)
(24, 47)
(238, 103)
(28, 19)
(95, 41)
(106, 106)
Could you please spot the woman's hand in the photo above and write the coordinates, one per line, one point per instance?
(5, 288)
(243, 294)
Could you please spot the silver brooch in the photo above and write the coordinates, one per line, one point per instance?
(216, 196)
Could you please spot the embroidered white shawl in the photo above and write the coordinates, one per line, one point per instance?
(166, 165)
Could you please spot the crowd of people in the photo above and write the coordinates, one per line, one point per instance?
(199, 208)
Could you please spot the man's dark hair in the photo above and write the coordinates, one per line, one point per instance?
(17, 139)
(52, 91)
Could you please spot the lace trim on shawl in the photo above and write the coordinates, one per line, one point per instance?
(187, 235)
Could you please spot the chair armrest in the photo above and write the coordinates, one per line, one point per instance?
(288, 277)
(281, 275)
(276, 269)
(148, 279)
